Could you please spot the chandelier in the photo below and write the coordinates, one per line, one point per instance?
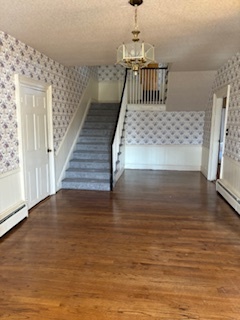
(135, 55)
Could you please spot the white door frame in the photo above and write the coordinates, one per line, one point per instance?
(215, 131)
(35, 84)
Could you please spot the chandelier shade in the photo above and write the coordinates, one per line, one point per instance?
(135, 55)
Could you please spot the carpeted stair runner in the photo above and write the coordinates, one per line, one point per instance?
(90, 165)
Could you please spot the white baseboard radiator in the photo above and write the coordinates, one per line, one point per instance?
(228, 195)
(11, 217)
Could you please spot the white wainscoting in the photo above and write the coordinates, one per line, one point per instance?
(229, 185)
(205, 159)
(163, 157)
(11, 200)
(231, 174)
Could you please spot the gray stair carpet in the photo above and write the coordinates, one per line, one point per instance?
(90, 164)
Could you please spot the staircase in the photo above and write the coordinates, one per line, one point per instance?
(90, 165)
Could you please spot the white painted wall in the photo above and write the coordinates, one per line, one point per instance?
(65, 149)
(110, 91)
(189, 91)
(163, 157)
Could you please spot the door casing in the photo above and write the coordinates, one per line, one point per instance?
(215, 131)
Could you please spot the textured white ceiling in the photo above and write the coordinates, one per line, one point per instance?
(189, 34)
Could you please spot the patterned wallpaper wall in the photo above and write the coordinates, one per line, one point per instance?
(111, 73)
(117, 72)
(229, 73)
(164, 128)
(68, 85)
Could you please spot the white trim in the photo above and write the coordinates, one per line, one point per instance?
(70, 125)
(52, 179)
(205, 157)
(215, 131)
(63, 154)
(146, 107)
(9, 173)
(163, 167)
(65, 166)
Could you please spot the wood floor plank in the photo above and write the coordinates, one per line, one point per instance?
(163, 245)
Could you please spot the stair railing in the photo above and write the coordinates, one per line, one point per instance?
(148, 86)
(117, 161)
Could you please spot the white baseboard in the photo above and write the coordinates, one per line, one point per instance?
(117, 176)
(162, 167)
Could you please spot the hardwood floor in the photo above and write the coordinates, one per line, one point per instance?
(163, 245)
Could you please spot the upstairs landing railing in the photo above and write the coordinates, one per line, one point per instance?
(148, 86)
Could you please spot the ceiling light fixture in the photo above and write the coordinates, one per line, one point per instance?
(135, 55)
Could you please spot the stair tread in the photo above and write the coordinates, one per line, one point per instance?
(91, 151)
(93, 142)
(92, 180)
(90, 160)
(88, 170)
(90, 165)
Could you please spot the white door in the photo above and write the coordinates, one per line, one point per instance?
(33, 104)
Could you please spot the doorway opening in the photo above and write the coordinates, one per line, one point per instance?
(218, 133)
(221, 136)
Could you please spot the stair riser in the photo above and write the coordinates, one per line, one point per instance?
(101, 106)
(89, 156)
(86, 186)
(96, 132)
(97, 125)
(89, 165)
(87, 175)
(89, 147)
(92, 139)
(91, 170)
(103, 113)
(98, 119)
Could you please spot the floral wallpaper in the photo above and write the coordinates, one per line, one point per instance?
(229, 73)
(111, 73)
(117, 72)
(68, 85)
(156, 127)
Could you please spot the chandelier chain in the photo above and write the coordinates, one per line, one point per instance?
(135, 55)
(136, 25)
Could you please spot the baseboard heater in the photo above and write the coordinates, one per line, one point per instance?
(12, 217)
(228, 195)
